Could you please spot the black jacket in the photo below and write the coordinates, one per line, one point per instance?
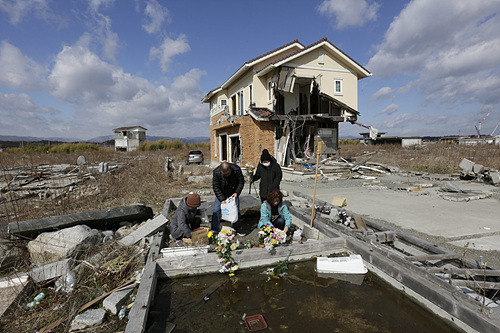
(270, 177)
(224, 187)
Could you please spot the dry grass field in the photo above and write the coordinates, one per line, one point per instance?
(141, 178)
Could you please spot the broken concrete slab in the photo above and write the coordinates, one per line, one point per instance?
(464, 197)
(310, 233)
(52, 270)
(149, 228)
(478, 168)
(12, 289)
(87, 319)
(495, 178)
(104, 219)
(67, 243)
(114, 302)
(466, 165)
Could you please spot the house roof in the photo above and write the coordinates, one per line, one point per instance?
(360, 70)
(250, 63)
(128, 128)
(363, 72)
(262, 114)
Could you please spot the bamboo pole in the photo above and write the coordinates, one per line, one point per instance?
(318, 152)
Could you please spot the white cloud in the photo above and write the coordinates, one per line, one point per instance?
(18, 71)
(101, 27)
(382, 93)
(18, 114)
(17, 9)
(168, 49)
(393, 108)
(449, 49)
(352, 13)
(106, 97)
(156, 14)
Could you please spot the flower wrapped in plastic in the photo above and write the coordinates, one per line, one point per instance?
(224, 247)
(270, 236)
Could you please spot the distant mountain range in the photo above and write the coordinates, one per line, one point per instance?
(98, 139)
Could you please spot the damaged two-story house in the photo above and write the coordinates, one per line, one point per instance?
(285, 101)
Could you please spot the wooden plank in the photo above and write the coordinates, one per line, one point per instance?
(105, 218)
(429, 257)
(475, 284)
(465, 271)
(139, 313)
(145, 230)
(360, 223)
(207, 262)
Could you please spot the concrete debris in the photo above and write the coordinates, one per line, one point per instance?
(116, 300)
(67, 243)
(12, 289)
(87, 319)
(474, 171)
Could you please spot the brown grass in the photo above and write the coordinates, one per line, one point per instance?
(140, 178)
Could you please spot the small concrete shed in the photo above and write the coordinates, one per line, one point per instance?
(129, 138)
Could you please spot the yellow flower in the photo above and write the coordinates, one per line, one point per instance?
(231, 274)
(210, 233)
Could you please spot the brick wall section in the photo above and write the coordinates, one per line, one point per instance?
(254, 135)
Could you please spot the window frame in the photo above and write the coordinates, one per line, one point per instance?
(340, 91)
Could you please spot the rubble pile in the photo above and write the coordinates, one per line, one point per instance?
(475, 171)
(76, 261)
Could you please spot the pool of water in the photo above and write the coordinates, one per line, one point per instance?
(300, 302)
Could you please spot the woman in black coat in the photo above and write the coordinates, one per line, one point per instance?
(269, 173)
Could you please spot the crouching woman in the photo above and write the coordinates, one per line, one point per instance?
(274, 213)
(186, 218)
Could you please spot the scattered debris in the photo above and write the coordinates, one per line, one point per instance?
(474, 171)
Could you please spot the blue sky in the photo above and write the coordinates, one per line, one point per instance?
(78, 69)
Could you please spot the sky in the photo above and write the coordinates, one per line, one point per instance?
(80, 68)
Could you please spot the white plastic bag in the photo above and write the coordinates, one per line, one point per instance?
(229, 210)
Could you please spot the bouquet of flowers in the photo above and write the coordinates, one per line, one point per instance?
(224, 248)
(270, 236)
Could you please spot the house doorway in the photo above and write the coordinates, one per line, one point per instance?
(223, 147)
(235, 149)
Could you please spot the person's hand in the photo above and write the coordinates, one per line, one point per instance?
(285, 229)
(235, 195)
(223, 202)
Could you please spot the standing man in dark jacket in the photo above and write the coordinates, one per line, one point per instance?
(269, 173)
(228, 181)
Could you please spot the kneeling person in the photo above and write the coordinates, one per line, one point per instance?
(274, 213)
(186, 218)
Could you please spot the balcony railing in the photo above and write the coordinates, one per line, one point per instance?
(218, 109)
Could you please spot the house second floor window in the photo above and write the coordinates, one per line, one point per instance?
(241, 107)
(223, 102)
(269, 91)
(338, 86)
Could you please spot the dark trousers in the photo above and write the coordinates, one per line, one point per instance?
(279, 223)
